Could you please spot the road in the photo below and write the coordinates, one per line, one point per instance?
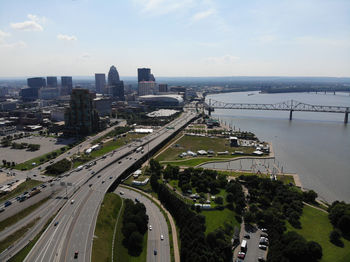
(76, 226)
(159, 227)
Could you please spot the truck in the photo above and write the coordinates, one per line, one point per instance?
(244, 245)
(34, 192)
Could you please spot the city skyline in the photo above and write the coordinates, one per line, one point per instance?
(186, 38)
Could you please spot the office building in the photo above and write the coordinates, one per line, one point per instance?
(36, 82)
(51, 81)
(66, 85)
(81, 118)
(103, 106)
(144, 74)
(146, 88)
(113, 76)
(49, 93)
(29, 94)
(117, 91)
(100, 82)
(163, 88)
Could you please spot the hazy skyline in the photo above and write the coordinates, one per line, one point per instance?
(175, 38)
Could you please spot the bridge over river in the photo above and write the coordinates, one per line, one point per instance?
(290, 106)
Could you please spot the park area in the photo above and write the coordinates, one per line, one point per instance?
(196, 143)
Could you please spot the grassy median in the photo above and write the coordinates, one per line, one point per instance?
(20, 215)
(103, 237)
(25, 186)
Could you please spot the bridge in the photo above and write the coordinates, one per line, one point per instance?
(290, 106)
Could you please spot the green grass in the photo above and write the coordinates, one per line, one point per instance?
(191, 162)
(25, 186)
(316, 226)
(21, 255)
(216, 218)
(107, 217)
(25, 212)
(27, 165)
(16, 235)
(195, 143)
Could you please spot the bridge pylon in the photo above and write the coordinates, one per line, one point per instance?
(346, 116)
(291, 114)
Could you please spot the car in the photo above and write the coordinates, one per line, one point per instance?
(98, 176)
(93, 172)
(263, 230)
(110, 177)
(150, 227)
(261, 259)
(263, 235)
(119, 161)
(51, 162)
(2, 210)
(76, 253)
(155, 252)
(161, 237)
(72, 201)
(34, 175)
(241, 255)
(7, 203)
(56, 223)
(247, 236)
(121, 192)
(263, 247)
(90, 185)
(137, 201)
(103, 181)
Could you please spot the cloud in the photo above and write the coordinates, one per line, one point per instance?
(225, 59)
(203, 15)
(266, 39)
(67, 37)
(161, 7)
(3, 35)
(19, 44)
(30, 25)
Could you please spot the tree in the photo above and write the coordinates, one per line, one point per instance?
(334, 237)
(344, 225)
(309, 196)
(248, 217)
(219, 200)
(315, 250)
(229, 197)
(135, 243)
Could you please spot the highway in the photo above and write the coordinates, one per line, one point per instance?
(76, 226)
(159, 227)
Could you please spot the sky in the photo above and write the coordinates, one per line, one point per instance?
(175, 37)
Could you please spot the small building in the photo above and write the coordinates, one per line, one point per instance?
(143, 130)
(233, 141)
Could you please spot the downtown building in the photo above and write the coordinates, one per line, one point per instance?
(51, 81)
(66, 85)
(116, 87)
(146, 82)
(100, 83)
(81, 118)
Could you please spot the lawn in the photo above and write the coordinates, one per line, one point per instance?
(107, 217)
(195, 143)
(25, 186)
(192, 162)
(316, 226)
(216, 218)
(120, 252)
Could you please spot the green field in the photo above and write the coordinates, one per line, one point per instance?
(195, 143)
(316, 226)
(216, 218)
(25, 186)
(107, 217)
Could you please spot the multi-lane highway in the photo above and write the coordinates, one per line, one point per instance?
(159, 228)
(76, 222)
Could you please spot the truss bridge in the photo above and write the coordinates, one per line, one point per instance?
(290, 106)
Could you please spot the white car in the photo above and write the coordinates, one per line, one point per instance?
(150, 227)
(161, 237)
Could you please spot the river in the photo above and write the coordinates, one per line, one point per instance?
(316, 146)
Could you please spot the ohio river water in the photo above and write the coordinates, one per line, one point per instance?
(314, 145)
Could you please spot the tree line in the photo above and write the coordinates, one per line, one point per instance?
(134, 226)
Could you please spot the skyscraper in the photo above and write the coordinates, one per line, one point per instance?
(113, 76)
(144, 74)
(51, 81)
(66, 85)
(146, 88)
(81, 118)
(117, 90)
(36, 82)
(100, 82)
(163, 88)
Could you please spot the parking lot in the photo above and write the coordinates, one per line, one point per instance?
(47, 144)
(253, 251)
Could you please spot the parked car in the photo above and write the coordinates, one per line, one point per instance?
(247, 236)
(76, 253)
(155, 252)
(121, 192)
(56, 223)
(241, 255)
(150, 227)
(7, 203)
(263, 247)
(161, 237)
(261, 259)
(2, 210)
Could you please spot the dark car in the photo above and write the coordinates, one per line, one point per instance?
(90, 185)
(247, 236)
(7, 203)
(98, 176)
(56, 223)
(76, 253)
(261, 259)
(155, 252)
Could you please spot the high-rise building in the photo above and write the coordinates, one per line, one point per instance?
(117, 90)
(146, 88)
(113, 76)
(81, 118)
(66, 85)
(36, 82)
(100, 82)
(163, 88)
(49, 93)
(144, 74)
(51, 81)
(29, 93)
